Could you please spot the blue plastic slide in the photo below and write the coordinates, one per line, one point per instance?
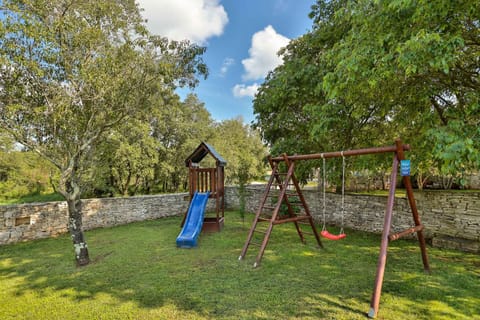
(194, 221)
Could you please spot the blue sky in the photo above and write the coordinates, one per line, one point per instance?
(242, 38)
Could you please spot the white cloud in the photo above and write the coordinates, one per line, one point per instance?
(263, 53)
(227, 62)
(195, 20)
(241, 90)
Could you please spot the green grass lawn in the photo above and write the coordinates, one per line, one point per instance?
(138, 273)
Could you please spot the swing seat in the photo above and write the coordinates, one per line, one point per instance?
(330, 236)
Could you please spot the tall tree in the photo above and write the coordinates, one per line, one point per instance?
(373, 70)
(179, 128)
(243, 149)
(125, 160)
(71, 71)
(416, 63)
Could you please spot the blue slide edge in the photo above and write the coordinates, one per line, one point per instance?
(194, 221)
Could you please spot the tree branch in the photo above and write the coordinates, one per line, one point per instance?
(439, 110)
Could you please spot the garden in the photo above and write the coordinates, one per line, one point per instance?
(90, 107)
(137, 272)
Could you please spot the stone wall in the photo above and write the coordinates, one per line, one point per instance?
(451, 219)
(41, 220)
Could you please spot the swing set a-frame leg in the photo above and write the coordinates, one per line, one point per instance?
(416, 218)
(382, 258)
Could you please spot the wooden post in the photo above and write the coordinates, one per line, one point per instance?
(411, 200)
(382, 258)
(221, 177)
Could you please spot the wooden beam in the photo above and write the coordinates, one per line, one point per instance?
(338, 154)
(403, 233)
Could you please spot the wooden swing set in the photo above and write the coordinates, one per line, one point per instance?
(283, 202)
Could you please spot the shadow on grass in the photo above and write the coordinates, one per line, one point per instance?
(140, 264)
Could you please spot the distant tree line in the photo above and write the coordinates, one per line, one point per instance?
(143, 157)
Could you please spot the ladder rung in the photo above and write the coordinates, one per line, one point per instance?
(268, 207)
(271, 196)
(301, 218)
(264, 219)
(298, 204)
(284, 187)
(292, 219)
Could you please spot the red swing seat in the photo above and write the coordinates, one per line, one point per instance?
(324, 233)
(330, 236)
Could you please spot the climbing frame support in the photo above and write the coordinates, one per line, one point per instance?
(284, 189)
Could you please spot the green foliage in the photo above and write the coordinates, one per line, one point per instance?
(147, 155)
(179, 128)
(294, 201)
(456, 155)
(126, 159)
(23, 173)
(30, 198)
(372, 71)
(242, 147)
(138, 273)
(69, 81)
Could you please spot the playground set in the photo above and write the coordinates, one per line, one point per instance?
(204, 184)
(283, 193)
(283, 190)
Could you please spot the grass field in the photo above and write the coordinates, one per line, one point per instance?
(138, 273)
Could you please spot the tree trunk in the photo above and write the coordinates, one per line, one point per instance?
(70, 189)
(421, 180)
(76, 232)
(384, 183)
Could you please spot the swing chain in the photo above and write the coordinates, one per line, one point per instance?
(343, 191)
(324, 195)
(324, 182)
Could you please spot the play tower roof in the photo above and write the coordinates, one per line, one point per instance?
(201, 152)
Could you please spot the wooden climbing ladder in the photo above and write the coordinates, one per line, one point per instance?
(282, 192)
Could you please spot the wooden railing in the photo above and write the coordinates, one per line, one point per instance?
(203, 180)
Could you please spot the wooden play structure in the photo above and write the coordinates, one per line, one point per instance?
(208, 180)
(283, 193)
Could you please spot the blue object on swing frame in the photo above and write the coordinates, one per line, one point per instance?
(404, 168)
